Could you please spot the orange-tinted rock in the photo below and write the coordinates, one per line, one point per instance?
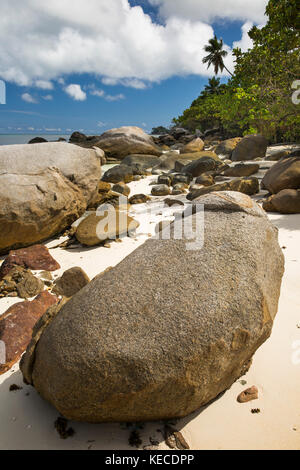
(16, 326)
(33, 257)
(248, 395)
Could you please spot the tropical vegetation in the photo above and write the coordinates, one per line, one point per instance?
(258, 96)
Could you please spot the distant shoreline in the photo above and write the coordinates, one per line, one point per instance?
(14, 139)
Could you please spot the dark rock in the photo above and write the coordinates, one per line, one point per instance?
(204, 164)
(242, 169)
(139, 199)
(250, 147)
(119, 173)
(121, 188)
(164, 179)
(285, 174)
(37, 140)
(286, 201)
(178, 178)
(205, 180)
(161, 190)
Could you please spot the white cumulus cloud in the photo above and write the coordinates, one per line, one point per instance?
(202, 10)
(44, 84)
(29, 98)
(109, 39)
(75, 92)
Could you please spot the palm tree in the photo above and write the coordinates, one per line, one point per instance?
(216, 54)
(213, 86)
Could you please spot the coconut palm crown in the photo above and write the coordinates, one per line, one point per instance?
(216, 55)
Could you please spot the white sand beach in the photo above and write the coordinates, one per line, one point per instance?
(27, 421)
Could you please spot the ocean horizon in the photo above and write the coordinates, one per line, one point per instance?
(14, 139)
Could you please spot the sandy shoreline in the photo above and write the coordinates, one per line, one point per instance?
(27, 421)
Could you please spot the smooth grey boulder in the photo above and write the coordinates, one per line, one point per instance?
(81, 166)
(179, 328)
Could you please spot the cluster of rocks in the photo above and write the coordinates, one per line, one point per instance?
(185, 323)
(17, 280)
(283, 182)
(118, 143)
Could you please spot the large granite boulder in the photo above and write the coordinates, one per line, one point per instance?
(249, 148)
(285, 174)
(80, 166)
(118, 143)
(181, 326)
(34, 207)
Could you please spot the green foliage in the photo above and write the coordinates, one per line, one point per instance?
(159, 130)
(258, 97)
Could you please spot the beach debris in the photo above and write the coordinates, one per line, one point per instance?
(66, 243)
(134, 439)
(36, 257)
(92, 362)
(71, 282)
(16, 326)
(248, 395)
(61, 426)
(174, 439)
(14, 388)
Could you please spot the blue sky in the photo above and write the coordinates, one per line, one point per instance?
(139, 64)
